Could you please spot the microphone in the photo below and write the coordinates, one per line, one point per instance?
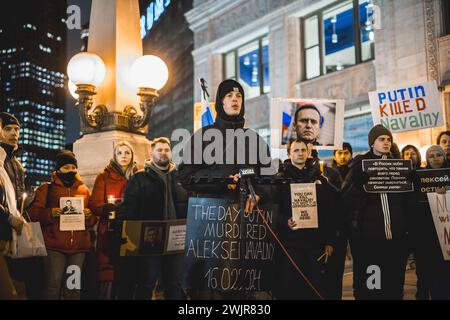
(246, 175)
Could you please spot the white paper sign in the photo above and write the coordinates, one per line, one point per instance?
(177, 237)
(304, 205)
(439, 205)
(72, 217)
(407, 108)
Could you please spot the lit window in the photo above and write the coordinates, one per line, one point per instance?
(249, 64)
(329, 38)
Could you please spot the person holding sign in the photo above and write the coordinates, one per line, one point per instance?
(379, 227)
(109, 186)
(63, 247)
(433, 272)
(153, 194)
(235, 148)
(307, 237)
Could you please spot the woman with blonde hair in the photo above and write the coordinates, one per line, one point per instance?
(108, 189)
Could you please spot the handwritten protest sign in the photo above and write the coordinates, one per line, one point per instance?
(407, 108)
(235, 248)
(439, 205)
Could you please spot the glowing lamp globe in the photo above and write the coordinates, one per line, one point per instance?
(72, 89)
(86, 68)
(149, 72)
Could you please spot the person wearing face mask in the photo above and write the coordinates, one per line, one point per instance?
(378, 225)
(108, 187)
(433, 272)
(64, 248)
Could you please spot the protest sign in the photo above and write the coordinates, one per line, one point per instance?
(304, 205)
(387, 176)
(407, 108)
(236, 248)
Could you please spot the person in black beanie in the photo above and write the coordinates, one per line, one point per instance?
(379, 228)
(64, 248)
(230, 120)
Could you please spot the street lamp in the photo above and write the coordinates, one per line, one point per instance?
(86, 71)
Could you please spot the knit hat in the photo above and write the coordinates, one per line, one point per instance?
(225, 87)
(377, 131)
(435, 148)
(65, 157)
(7, 119)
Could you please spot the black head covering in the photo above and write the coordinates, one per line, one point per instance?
(7, 119)
(225, 87)
(65, 157)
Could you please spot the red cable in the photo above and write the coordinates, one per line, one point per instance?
(287, 254)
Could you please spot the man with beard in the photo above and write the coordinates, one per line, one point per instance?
(153, 194)
(26, 272)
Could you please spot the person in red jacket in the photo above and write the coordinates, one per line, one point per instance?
(109, 187)
(65, 248)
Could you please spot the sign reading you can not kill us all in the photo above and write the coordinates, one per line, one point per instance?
(407, 108)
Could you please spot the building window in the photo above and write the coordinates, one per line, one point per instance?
(249, 64)
(338, 37)
(445, 17)
(356, 128)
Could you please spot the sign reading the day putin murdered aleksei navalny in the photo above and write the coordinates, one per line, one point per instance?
(407, 108)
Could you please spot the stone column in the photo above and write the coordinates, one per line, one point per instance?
(114, 35)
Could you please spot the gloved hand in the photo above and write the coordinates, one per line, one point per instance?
(107, 209)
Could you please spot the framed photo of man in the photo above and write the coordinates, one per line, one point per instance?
(152, 237)
(72, 216)
(318, 121)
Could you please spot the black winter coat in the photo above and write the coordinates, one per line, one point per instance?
(365, 214)
(144, 197)
(191, 173)
(5, 227)
(305, 238)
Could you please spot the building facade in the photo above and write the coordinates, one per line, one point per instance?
(32, 68)
(166, 34)
(323, 49)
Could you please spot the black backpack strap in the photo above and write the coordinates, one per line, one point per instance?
(49, 190)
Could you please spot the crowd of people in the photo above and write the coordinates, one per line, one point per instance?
(381, 229)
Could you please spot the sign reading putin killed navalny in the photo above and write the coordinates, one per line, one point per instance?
(226, 249)
(387, 176)
(407, 108)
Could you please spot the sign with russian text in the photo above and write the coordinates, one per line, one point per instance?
(439, 205)
(226, 249)
(304, 205)
(407, 108)
(387, 175)
(430, 179)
